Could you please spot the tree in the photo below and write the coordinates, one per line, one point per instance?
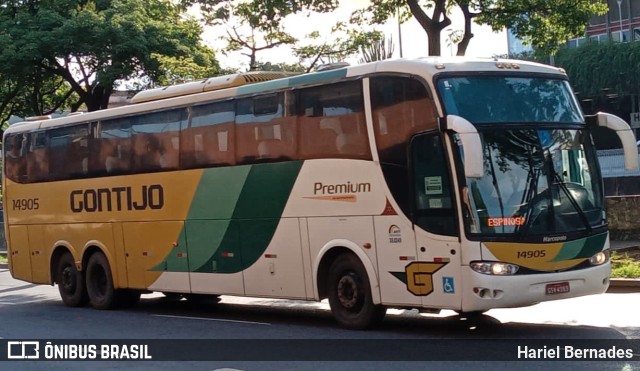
(281, 67)
(545, 24)
(345, 42)
(91, 45)
(257, 25)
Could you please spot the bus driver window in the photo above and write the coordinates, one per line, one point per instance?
(432, 187)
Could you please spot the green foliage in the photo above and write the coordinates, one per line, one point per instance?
(432, 15)
(593, 67)
(544, 24)
(345, 42)
(624, 266)
(281, 67)
(86, 47)
(176, 70)
(257, 25)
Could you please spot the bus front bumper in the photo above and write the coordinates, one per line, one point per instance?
(483, 292)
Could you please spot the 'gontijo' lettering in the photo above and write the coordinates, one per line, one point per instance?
(117, 199)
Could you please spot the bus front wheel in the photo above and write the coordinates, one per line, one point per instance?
(100, 288)
(350, 294)
(70, 282)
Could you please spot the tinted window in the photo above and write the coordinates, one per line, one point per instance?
(69, 152)
(156, 141)
(209, 138)
(332, 122)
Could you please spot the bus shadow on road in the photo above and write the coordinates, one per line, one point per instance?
(400, 323)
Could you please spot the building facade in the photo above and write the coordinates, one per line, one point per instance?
(620, 23)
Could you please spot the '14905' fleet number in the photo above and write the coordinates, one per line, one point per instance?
(26, 204)
(531, 254)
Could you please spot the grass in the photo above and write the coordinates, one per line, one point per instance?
(624, 265)
(3, 258)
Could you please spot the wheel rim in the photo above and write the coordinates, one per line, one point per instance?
(349, 292)
(68, 279)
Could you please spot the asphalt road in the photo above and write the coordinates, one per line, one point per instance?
(36, 312)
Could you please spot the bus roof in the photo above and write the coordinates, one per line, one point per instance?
(246, 84)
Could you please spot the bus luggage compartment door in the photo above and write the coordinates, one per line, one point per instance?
(19, 253)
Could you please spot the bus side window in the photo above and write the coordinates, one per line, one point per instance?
(115, 146)
(37, 159)
(15, 157)
(69, 152)
(332, 122)
(401, 107)
(156, 140)
(263, 133)
(209, 136)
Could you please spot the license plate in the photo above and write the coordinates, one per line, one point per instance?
(557, 288)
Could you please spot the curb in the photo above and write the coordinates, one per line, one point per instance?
(624, 285)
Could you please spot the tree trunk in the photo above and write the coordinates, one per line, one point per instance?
(468, 35)
(98, 98)
(433, 25)
(434, 42)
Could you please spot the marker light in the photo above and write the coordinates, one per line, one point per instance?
(599, 258)
(495, 268)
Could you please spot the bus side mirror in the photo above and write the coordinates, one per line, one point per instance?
(471, 145)
(625, 133)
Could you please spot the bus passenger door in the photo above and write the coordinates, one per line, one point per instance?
(435, 276)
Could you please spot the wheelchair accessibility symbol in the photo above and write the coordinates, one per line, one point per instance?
(448, 286)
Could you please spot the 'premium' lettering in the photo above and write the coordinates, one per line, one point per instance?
(117, 199)
(348, 187)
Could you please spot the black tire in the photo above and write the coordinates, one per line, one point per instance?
(349, 294)
(102, 294)
(70, 282)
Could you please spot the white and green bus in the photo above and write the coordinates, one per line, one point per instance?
(463, 184)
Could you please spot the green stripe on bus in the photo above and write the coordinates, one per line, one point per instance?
(305, 79)
(234, 216)
(266, 190)
(582, 248)
(218, 192)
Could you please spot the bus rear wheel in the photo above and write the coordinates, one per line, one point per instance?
(70, 282)
(102, 294)
(350, 294)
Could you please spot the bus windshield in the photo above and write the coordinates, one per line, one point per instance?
(535, 182)
(509, 99)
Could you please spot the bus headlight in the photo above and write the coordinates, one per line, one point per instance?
(599, 258)
(495, 268)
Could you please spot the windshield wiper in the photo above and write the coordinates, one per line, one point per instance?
(572, 200)
(529, 194)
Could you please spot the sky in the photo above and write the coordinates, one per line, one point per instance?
(485, 43)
